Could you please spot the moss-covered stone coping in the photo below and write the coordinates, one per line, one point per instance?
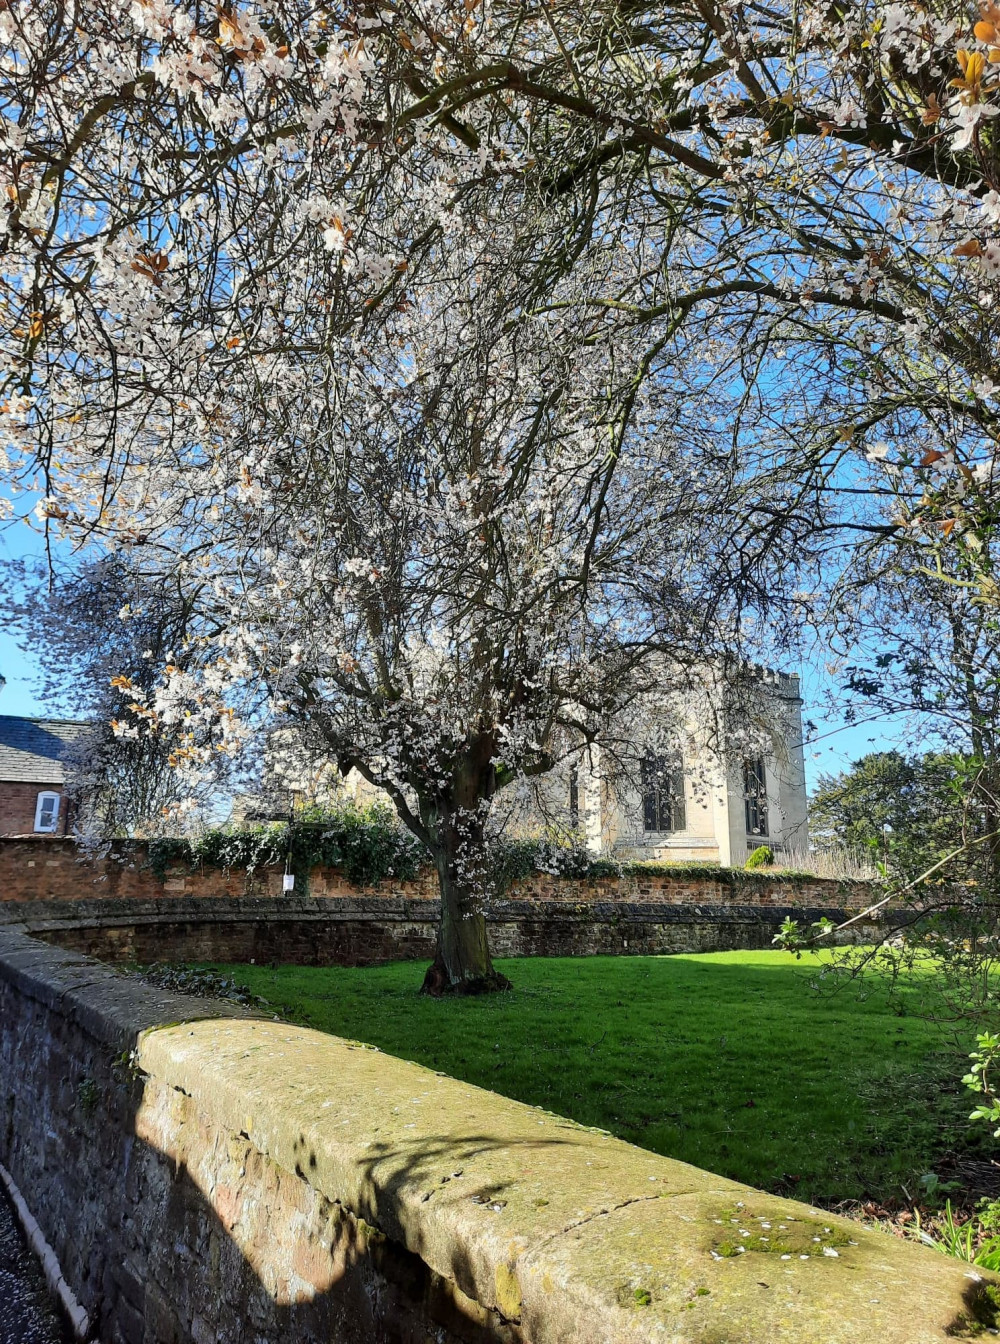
(578, 1237)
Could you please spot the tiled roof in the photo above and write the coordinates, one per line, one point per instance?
(31, 750)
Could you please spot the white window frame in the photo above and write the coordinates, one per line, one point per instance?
(42, 803)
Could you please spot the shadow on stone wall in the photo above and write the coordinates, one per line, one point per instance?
(270, 1259)
(173, 1230)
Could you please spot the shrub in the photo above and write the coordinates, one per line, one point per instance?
(762, 857)
(370, 846)
(366, 842)
(974, 1241)
(167, 851)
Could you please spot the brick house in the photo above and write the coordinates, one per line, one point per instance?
(32, 782)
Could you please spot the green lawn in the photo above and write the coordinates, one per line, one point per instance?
(731, 1061)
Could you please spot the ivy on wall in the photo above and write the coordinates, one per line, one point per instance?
(515, 860)
(366, 843)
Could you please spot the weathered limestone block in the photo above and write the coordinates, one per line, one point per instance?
(574, 1235)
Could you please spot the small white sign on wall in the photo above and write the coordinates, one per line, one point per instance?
(288, 882)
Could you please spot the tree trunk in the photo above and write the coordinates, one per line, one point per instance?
(454, 828)
(462, 963)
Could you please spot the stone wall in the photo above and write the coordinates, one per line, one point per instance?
(207, 1177)
(114, 1163)
(366, 931)
(36, 868)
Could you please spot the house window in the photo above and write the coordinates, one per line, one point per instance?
(663, 793)
(755, 795)
(574, 797)
(47, 813)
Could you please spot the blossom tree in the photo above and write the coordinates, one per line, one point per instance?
(441, 569)
(465, 357)
(820, 185)
(340, 385)
(97, 636)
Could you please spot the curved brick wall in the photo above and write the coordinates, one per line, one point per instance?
(365, 931)
(117, 909)
(36, 868)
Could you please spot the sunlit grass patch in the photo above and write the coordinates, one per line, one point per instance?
(731, 1061)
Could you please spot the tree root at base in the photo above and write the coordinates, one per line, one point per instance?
(437, 984)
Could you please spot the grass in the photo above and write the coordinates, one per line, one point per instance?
(731, 1061)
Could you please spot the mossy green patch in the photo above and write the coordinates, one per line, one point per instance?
(629, 1296)
(983, 1316)
(742, 1231)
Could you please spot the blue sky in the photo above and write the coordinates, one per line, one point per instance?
(834, 744)
(833, 748)
(18, 696)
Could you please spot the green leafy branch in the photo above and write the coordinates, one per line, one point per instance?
(792, 938)
(980, 1079)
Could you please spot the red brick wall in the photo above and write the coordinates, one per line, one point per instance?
(38, 868)
(17, 807)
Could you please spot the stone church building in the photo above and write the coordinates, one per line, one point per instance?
(706, 775)
(708, 790)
